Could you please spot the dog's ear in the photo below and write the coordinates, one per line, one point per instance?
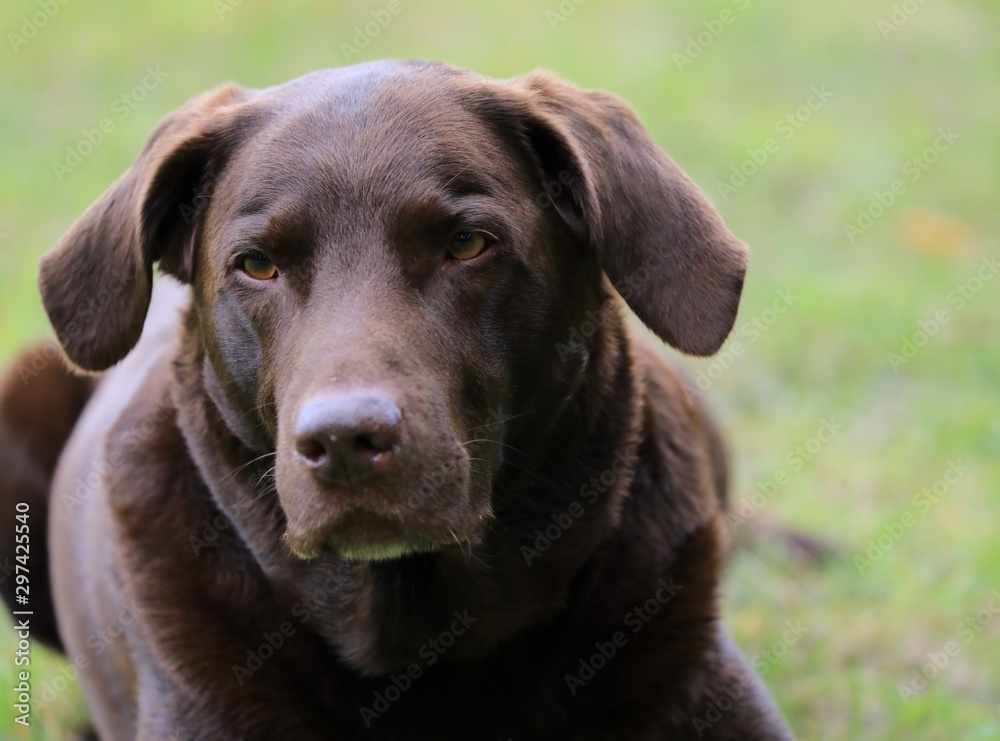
(657, 237)
(97, 281)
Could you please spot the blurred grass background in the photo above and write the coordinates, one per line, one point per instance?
(713, 81)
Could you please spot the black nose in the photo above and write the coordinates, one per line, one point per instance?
(342, 437)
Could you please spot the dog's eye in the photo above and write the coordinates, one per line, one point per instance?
(467, 245)
(259, 266)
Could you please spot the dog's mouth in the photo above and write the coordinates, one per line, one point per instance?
(363, 536)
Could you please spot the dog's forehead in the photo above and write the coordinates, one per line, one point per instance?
(357, 85)
(380, 123)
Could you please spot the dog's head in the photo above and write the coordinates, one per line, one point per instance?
(390, 266)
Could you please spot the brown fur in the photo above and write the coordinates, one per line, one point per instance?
(517, 383)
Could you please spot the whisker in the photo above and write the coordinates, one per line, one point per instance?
(232, 474)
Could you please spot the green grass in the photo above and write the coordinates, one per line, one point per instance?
(826, 355)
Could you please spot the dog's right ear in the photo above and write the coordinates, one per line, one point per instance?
(97, 281)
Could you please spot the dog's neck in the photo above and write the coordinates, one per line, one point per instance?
(549, 522)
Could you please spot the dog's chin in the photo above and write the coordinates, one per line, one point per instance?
(379, 551)
(362, 538)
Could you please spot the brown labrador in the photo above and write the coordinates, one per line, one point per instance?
(391, 463)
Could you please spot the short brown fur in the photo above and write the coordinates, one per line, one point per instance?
(524, 399)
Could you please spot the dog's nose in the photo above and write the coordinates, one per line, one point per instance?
(342, 437)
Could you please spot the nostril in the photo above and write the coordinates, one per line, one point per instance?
(363, 445)
(312, 451)
(367, 447)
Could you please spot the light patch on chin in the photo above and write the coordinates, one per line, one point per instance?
(376, 552)
(360, 552)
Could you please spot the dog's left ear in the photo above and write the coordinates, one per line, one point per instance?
(657, 237)
(96, 283)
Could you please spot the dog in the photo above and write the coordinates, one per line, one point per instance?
(381, 454)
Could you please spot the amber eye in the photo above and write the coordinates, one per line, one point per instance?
(259, 266)
(467, 245)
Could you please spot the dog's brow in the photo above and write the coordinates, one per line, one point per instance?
(272, 225)
(458, 176)
(252, 207)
